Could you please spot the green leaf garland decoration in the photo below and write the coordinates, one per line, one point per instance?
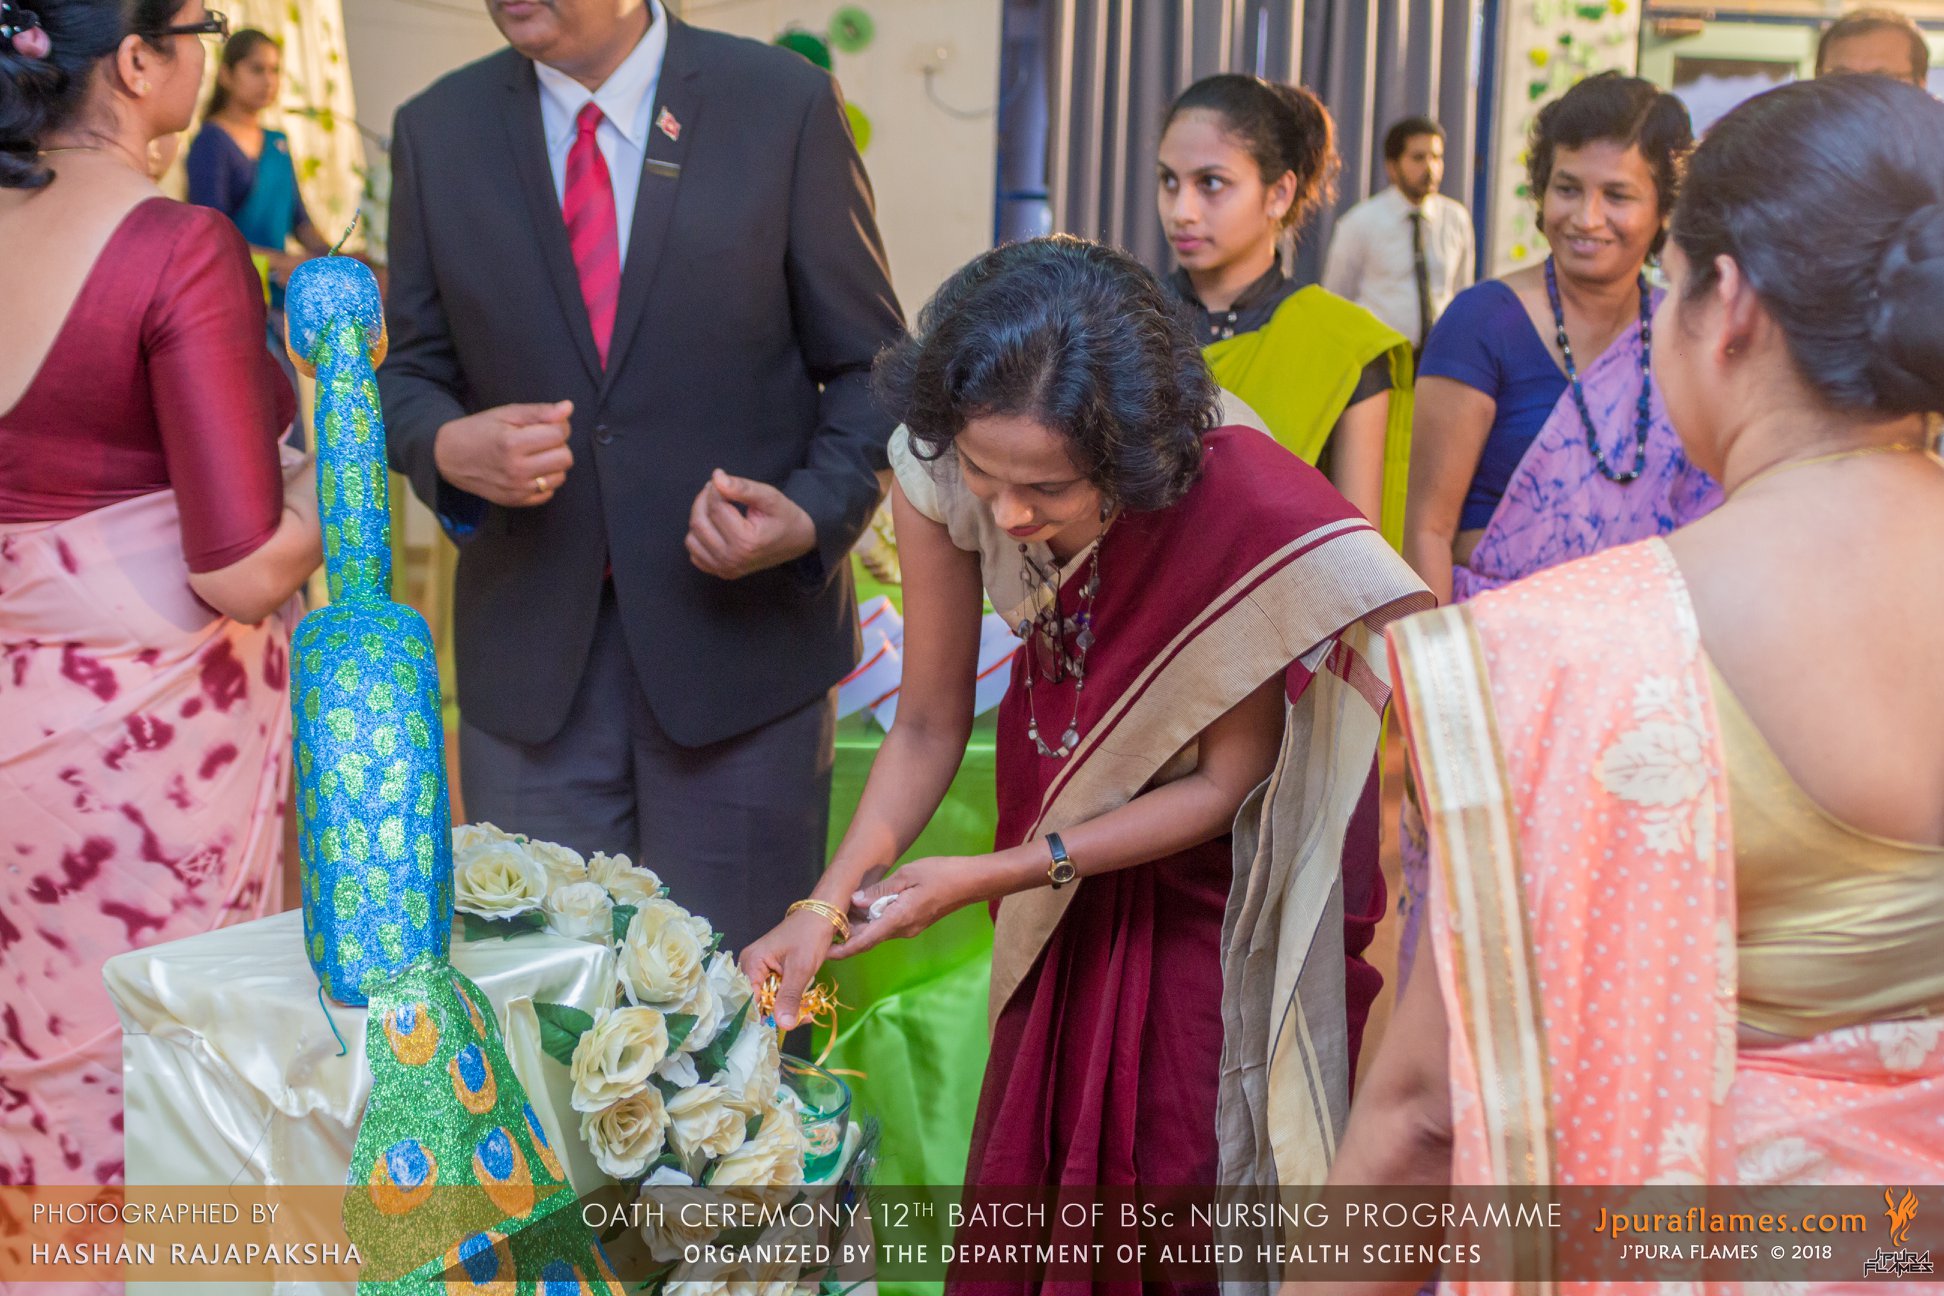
(808, 44)
(851, 30)
(860, 126)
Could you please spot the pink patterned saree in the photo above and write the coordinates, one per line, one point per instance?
(1582, 910)
(144, 753)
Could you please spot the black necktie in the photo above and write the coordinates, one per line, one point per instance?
(1423, 272)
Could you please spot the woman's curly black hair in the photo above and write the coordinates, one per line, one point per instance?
(1076, 335)
(1618, 109)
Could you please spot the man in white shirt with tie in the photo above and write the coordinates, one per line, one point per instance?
(1403, 253)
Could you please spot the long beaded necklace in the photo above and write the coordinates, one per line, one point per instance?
(1049, 625)
(1642, 416)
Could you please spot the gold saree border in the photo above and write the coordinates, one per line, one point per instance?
(1469, 816)
(1298, 597)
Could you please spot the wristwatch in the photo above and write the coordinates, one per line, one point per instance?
(1060, 871)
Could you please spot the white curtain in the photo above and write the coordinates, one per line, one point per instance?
(317, 110)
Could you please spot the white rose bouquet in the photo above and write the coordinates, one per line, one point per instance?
(677, 1084)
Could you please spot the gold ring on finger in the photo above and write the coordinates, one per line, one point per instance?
(539, 485)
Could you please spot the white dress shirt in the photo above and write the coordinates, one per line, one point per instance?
(627, 99)
(1370, 259)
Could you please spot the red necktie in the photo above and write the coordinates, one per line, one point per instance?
(588, 209)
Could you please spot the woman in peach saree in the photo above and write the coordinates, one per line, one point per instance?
(1686, 911)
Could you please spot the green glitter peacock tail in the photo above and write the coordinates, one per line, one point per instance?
(454, 1185)
(374, 819)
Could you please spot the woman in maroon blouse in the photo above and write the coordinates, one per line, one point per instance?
(150, 543)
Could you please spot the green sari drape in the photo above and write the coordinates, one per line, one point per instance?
(1299, 370)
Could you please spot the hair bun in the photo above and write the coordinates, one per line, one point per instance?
(1907, 333)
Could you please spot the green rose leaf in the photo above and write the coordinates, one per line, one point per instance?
(679, 1026)
(478, 928)
(713, 1058)
(561, 1026)
(623, 915)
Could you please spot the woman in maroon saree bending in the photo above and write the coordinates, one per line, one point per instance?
(1186, 754)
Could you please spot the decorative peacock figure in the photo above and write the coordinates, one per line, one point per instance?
(453, 1185)
(374, 835)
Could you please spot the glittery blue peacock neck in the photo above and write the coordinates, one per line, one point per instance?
(374, 837)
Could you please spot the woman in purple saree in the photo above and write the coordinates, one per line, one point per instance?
(1525, 453)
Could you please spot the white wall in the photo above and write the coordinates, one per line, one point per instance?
(932, 170)
(1543, 51)
(399, 47)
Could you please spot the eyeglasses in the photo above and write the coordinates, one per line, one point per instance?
(213, 24)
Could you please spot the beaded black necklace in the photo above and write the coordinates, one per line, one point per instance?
(1067, 640)
(1642, 417)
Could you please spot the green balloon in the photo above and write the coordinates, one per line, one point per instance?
(851, 29)
(860, 124)
(808, 44)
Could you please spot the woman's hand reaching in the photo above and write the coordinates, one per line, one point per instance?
(791, 951)
(909, 901)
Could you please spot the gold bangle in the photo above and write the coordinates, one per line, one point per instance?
(828, 911)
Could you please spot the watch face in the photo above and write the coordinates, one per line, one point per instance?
(1061, 872)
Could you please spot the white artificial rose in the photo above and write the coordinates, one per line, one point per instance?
(680, 1215)
(752, 1072)
(470, 837)
(626, 883)
(564, 867)
(498, 880)
(728, 981)
(772, 1158)
(754, 1280)
(616, 1056)
(580, 911)
(660, 961)
(679, 1069)
(703, 1124)
(707, 1009)
(628, 1135)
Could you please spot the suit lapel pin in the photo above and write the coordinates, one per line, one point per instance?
(667, 125)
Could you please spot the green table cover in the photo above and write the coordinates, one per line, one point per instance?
(915, 1025)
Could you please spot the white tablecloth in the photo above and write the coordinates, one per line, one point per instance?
(231, 1073)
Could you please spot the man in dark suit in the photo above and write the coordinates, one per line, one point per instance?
(636, 289)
